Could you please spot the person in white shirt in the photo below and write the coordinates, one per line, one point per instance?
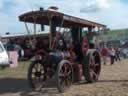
(112, 55)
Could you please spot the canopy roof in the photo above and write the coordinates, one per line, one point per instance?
(42, 17)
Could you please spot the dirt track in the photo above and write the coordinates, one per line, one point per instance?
(113, 82)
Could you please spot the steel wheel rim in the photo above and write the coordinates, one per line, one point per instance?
(65, 75)
(94, 67)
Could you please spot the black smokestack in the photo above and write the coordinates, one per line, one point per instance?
(41, 9)
(42, 25)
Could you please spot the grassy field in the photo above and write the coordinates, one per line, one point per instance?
(18, 72)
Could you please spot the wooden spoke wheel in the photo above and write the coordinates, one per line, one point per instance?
(36, 75)
(92, 66)
(64, 75)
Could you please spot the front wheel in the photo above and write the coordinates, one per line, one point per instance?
(64, 75)
(92, 66)
(36, 75)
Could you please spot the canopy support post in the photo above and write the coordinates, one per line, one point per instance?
(50, 35)
(34, 28)
(28, 31)
(56, 36)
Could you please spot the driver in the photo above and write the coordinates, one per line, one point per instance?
(92, 39)
(60, 42)
(60, 50)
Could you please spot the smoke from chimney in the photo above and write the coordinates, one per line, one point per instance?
(53, 8)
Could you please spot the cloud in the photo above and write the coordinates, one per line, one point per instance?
(113, 13)
(95, 6)
(114, 17)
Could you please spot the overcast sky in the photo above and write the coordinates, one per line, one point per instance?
(113, 13)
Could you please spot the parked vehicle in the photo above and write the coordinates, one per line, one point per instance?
(4, 58)
(68, 56)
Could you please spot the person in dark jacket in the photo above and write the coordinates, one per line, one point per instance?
(117, 54)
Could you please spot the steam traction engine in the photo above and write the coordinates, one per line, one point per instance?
(71, 53)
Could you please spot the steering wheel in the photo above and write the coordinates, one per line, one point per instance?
(85, 45)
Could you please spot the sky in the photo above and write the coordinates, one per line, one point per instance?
(113, 13)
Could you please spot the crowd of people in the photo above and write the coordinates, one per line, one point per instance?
(112, 53)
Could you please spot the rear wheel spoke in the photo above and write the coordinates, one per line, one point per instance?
(96, 66)
(61, 75)
(93, 74)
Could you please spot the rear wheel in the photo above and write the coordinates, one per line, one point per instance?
(36, 75)
(92, 66)
(64, 75)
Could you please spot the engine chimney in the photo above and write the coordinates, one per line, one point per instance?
(42, 26)
(41, 9)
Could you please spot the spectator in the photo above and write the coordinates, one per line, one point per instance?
(18, 48)
(112, 55)
(117, 57)
(10, 45)
(104, 53)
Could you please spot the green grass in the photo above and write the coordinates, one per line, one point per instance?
(20, 71)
